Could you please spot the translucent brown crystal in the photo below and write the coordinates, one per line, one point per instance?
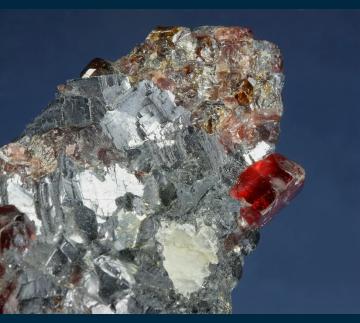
(96, 67)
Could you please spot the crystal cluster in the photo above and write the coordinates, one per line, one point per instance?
(123, 195)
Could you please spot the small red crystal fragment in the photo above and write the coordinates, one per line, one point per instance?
(16, 230)
(266, 186)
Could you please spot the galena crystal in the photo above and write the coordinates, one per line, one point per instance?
(116, 197)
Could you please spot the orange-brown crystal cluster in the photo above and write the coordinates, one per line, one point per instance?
(230, 81)
(35, 157)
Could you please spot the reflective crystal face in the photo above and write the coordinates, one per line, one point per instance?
(266, 186)
(116, 197)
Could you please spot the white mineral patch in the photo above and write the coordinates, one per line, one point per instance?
(91, 283)
(89, 72)
(101, 309)
(122, 306)
(187, 254)
(100, 195)
(22, 199)
(258, 152)
(75, 237)
(127, 230)
(155, 130)
(122, 128)
(166, 143)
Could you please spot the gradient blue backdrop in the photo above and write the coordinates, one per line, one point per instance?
(308, 257)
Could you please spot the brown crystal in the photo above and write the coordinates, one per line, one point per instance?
(163, 33)
(97, 67)
(245, 93)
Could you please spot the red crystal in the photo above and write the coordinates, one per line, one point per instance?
(16, 230)
(266, 186)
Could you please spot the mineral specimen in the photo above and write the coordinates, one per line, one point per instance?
(123, 195)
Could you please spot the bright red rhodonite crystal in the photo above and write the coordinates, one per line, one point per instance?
(266, 186)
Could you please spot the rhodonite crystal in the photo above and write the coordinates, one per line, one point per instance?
(123, 195)
(265, 187)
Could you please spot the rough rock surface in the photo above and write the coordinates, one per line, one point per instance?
(116, 197)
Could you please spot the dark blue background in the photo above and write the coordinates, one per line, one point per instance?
(308, 257)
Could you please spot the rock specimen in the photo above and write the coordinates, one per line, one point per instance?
(141, 187)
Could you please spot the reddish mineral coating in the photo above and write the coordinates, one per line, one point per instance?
(237, 76)
(5, 295)
(251, 128)
(266, 186)
(16, 231)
